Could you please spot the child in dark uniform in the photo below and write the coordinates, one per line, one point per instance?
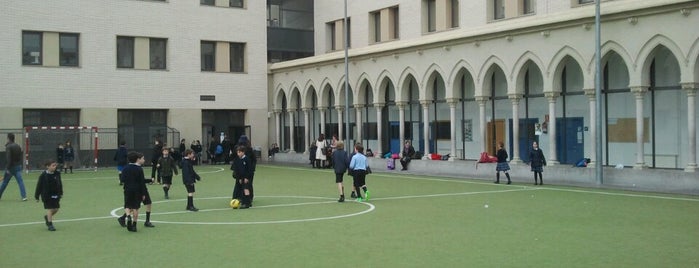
(189, 177)
(59, 156)
(166, 167)
(135, 190)
(502, 164)
(536, 156)
(242, 172)
(50, 188)
(68, 157)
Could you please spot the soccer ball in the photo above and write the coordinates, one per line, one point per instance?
(235, 203)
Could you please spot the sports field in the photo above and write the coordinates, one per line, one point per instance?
(410, 221)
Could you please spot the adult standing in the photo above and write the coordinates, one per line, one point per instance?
(14, 166)
(321, 151)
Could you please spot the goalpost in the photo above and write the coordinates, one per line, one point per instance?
(41, 143)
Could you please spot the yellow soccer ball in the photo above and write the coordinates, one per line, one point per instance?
(235, 203)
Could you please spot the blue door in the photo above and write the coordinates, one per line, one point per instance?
(527, 135)
(570, 140)
(394, 137)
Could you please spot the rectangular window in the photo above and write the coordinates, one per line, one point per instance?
(498, 9)
(158, 53)
(125, 52)
(349, 33)
(454, 13)
(237, 57)
(68, 49)
(208, 56)
(333, 35)
(31, 48)
(395, 19)
(376, 16)
(235, 3)
(585, 1)
(527, 6)
(207, 2)
(431, 15)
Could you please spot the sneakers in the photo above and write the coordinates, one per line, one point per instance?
(193, 209)
(366, 195)
(167, 196)
(24, 199)
(148, 224)
(354, 195)
(244, 206)
(359, 199)
(121, 220)
(131, 226)
(51, 228)
(342, 199)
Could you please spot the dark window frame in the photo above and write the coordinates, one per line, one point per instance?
(62, 60)
(204, 67)
(25, 58)
(153, 64)
(237, 57)
(119, 63)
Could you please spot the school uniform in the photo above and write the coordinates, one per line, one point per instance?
(134, 186)
(340, 164)
(167, 168)
(502, 161)
(536, 156)
(242, 169)
(189, 176)
(50, 188)
(359, 166)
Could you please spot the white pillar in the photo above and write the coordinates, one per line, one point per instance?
(691, 89)
(358, 136)
(340, 111)
(426, 127)
(401, 125)
(291, 131)
(482, 100)
(379, 129)
(638, 93)
(278, 127)
(514, 98)
(593, 127)
(322, 110)
(306, 129)
(452, 116)
(553, 158)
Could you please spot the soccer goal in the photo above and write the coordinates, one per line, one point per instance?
(41, 143)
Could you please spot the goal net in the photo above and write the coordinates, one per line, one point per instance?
(41, 144)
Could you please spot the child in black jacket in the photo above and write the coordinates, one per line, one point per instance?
(189, 177)
(242, 173)
(50, 189)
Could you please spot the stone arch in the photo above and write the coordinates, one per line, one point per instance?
(325, 89)
(430, 75)
(525, 62)
(340, 92)
(559, 60)
(405, 76)
(692, 64)
(650, 48)
(611, 46)
(362, 82)
(385, 77)
(308, 92)
(279, 96)
(461, 68)
(487, 69)
(294, 96)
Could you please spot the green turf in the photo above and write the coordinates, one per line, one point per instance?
(410, 221)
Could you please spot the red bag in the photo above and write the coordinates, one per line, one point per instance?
(485, 158)
(435, 156)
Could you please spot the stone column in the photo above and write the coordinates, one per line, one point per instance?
(358, 136)
(553, 158)
(278, 127)
(691, 89)
(291, 131)
(452, 116)
(514, 98)
(322, 110)
(379, 129)
(426, 127)
(306, 129)
(340, 111)
(639, 92)
(482, 100)
(401, 124)
(590, 93)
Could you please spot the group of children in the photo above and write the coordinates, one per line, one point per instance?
(536, 162)
(65, 155)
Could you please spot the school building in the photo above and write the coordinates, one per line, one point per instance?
(455, 77)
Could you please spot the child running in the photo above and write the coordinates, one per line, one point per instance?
(50, 188)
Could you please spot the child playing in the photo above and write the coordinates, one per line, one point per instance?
(189, 177)
(242, 171)
(50, 188)
(536, 156)
(135, 190)
(359, 167)
(340, 163)
(166, 167)
(502, 164)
